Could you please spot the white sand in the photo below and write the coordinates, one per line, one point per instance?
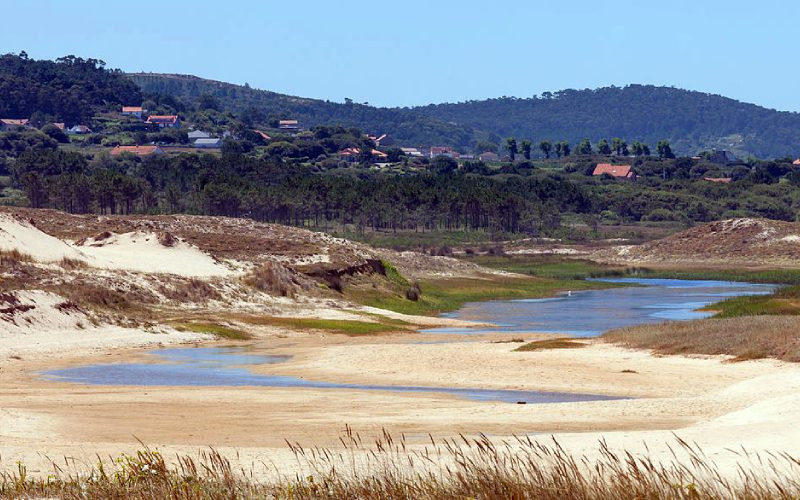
(48, 329)
(25, 238)
(142, 252)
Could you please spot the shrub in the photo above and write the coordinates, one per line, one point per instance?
(274, 279)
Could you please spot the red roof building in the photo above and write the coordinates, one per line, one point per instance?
(165, 121)
(623, 171)
(136, 111)
(13, 123)
(137, 150)
(796, 162)
(444, 151)
(262, 134)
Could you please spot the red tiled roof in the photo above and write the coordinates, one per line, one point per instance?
(59, 125)
(723, 180)
(14, 121)
(613, 170)
(137, 150)
(131, 109)
(379, 154)
(349, 152)
(262, 134)
(796, 162)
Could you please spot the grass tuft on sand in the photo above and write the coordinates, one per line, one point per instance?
(221, 331)
(461, 467)
(346, 327)
(542, 345)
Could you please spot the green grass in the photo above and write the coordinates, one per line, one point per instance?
(780, 276)
(784, 302)
(451, 294)
(548, 266)
(220, 331)
(346, 327)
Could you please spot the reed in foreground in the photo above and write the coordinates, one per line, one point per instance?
(458, 468)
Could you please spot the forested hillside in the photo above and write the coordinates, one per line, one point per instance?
(691, 121)
(69, 89)
(406, 127)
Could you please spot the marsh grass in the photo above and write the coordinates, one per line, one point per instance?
(462, 467)
(220, 331)
(346, 327)
(743, 338)
(784, 302)
(444, 295)
(542, 345)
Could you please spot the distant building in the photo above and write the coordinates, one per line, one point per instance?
(59, 125)
(796, 162)
(13, 123)
(208, 143)
(412, 152)
(488, 157)
(721, 157)
(165, 121)
(198, 134)
(137, 150)
(444, 151)
(353, 155)
(621, 171)
(136, 111)
(288, 125)
(79, 129)
(721, 180)
(381, 140)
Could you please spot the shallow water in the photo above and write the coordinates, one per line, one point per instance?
(592, 312)
(227, 367)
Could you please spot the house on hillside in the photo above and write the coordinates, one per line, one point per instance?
(79, 130)
(796, 162)
(412, 152)
(721, 180)
(350, 155)
(621, 171)
(59, 125)
(381, 140)
(288, 125)
(165, 121)
(198, 134)
(137, 150)
(489, 157)
(208, 143)
(136, 111)
(443, 151)
(7, 124)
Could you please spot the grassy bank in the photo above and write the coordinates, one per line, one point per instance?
(457, 468)
(444, 295)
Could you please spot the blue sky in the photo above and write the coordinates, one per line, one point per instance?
(418, 52)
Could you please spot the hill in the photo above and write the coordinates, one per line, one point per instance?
(405, 126)
(691, 121)
(732, 242)
(69, 89)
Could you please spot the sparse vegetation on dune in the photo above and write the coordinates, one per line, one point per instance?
(542, 345)
(347, 327)
(748, 337)
(221, 331)
(447, 469)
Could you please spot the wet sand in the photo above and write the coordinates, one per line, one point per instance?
(721, 405)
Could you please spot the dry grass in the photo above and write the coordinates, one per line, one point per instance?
(519, 468)
(747, 337)
(12, 258)
(190, 290)
(72, 264)
(540, 345)
(275, 279)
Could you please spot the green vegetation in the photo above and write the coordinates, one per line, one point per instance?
(785, 301)
(445, 295)
(217, 330)
(549, 266)
(346, 327)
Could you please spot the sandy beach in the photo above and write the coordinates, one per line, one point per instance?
(720, 406)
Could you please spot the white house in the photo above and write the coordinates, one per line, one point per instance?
(208, 143)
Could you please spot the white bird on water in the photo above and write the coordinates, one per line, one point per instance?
(569, 293)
